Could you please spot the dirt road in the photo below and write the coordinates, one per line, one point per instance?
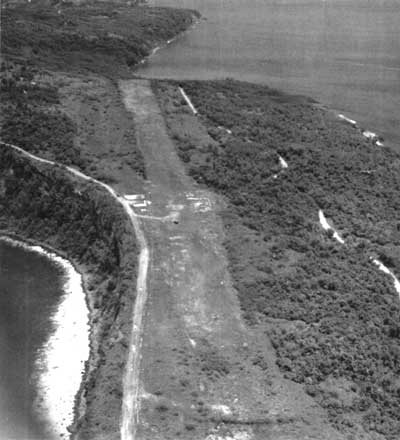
(203, 374)
(130, 409)
(194, 370)
(130, 390)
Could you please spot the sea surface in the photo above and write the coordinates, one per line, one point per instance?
(31, 286)
(343, 53)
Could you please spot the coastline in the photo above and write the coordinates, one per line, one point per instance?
(79, 401)
(370, 135)
(61, 420)
(78, 408)
(98, 410)
(83, 401)
(196, 18)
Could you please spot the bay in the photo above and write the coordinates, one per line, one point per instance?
(30, 291)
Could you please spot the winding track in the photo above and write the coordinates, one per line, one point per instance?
(130, 403)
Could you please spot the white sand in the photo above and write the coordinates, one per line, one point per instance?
(130, 405)
(60, 362)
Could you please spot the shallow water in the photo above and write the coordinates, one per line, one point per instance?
(30, 290)
(344, 53)
(44, 362)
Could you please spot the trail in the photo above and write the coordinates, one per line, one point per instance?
(130, 405)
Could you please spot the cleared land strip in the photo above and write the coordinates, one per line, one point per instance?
(131, 386)
(198, 376)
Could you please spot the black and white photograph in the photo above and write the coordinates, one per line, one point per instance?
(200, 220)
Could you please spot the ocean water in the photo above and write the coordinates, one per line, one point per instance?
(44, 342)
(30, 291)
(344, 53)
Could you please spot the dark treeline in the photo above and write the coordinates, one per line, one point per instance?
(44, 46)
(85, 223)
(340, 313)
(30, 117)
(33, 118)
(102, 38)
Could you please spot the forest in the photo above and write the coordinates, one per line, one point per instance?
(85, 223)
(47, 46)
(104, 38)
(30, 117)
(45, 205)
(33, 117)
(40, 40)
(333, 318)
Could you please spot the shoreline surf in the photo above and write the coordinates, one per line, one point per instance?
(60, 363)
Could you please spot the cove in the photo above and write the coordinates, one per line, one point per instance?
(43, 342)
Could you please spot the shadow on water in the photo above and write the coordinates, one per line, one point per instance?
(30, 290)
